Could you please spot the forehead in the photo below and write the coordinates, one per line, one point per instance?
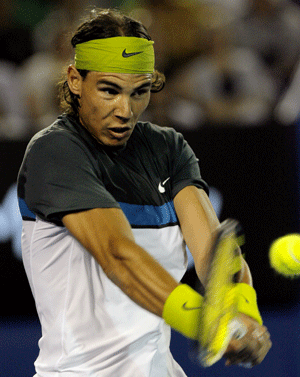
(121, 79)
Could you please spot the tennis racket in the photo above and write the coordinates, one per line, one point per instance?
(219, 323)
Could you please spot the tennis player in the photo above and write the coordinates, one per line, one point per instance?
(108, 204)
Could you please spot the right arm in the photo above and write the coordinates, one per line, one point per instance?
(107, 235)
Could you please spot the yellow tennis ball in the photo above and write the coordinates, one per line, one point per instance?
(284, 255)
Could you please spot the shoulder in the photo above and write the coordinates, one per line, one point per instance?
(62, 128)
(155, 129)
(156, 134)
(59, 138)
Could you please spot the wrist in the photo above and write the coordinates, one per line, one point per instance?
(246, 301)
(182, 310)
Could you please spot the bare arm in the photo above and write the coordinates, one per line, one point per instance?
(199, 222)
(107, 235)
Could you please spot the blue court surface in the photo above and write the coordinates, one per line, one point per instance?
(19, 337)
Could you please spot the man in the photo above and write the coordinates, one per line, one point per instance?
(108, 204)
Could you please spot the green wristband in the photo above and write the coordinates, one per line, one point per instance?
(246, 302)
(182, 310)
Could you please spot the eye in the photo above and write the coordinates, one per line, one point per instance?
(110, 91)
(140, 92)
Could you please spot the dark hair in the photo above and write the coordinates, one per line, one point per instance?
(104, 23)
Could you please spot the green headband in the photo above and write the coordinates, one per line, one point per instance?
(117, 54)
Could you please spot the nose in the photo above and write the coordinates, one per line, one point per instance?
(123, 110)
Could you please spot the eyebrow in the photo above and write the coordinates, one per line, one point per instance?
(116, 86)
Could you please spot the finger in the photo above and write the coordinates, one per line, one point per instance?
(264, 343)
(244, 355)
(263, 351)
(238, 358)
(251, 349)
(253, 352)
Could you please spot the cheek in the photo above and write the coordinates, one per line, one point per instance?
(143, 105)
(89, 114)
(92, 107)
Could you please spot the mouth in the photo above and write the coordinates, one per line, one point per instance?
(119, 132)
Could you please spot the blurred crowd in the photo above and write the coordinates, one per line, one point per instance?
(227, 62)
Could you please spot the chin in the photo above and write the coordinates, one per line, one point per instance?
(114, 143)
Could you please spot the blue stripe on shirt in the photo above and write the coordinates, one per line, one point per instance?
(25, 211)
(137, 215)
(149, 215)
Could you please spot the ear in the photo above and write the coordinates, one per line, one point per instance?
(74, 80)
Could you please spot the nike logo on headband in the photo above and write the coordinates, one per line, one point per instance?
(127, 55)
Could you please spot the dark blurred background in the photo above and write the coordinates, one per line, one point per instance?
(233, 90)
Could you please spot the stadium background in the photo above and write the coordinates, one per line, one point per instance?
(251, 164)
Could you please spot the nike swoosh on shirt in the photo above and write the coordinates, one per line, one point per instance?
(161, 189)
(128, 54)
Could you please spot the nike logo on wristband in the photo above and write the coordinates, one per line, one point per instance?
(248, 302)
(184, 307)
(128, 54)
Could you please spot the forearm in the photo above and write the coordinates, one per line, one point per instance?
(244, 276)
(198, 223)
(127, 264)
(140, 276)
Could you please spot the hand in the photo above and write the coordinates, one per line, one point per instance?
(252, 348)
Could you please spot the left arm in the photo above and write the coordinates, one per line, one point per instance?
(199, 222)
